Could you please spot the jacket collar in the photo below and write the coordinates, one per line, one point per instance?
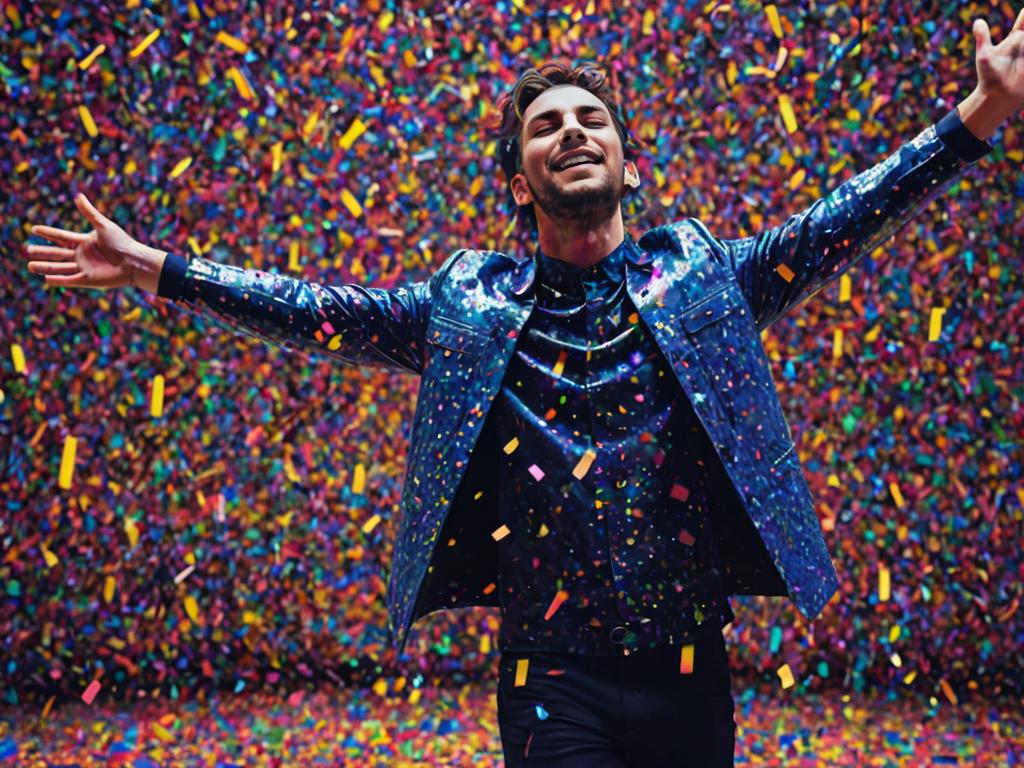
(527, 267)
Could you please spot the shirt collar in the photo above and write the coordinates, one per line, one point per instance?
(567, 278)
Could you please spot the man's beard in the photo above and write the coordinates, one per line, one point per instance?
(588, 206)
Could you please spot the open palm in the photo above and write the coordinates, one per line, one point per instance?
(98, 259)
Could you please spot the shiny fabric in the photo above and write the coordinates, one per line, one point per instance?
(705, 301)
(600, 479)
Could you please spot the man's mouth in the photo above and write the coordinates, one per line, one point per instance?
(576, 160)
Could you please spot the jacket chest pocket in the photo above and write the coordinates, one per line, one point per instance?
(450, 338)
(722, 330)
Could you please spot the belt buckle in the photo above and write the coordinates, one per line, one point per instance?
(625, 635)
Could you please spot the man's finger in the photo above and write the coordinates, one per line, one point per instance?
(95, 218)
(51, 252)
(59, 235)
(1019, 23)
(982, 36)
(67, 280)
(53, 267)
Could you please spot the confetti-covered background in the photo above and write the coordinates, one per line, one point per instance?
(225, 519)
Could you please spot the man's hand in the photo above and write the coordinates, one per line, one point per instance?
(107, 257)
(1000, 90)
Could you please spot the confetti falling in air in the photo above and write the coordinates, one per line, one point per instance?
(686, 659)
(522, 668)
(918, 418)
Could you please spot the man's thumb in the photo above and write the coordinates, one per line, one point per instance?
(982, 38)
(89, 210)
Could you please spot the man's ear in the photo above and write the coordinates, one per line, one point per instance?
(631, 176)
(521, 190)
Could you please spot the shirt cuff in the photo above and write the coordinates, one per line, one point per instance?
(172, 277)
(959, 139)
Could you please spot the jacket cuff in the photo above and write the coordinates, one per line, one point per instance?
(172, 277)
(959, 139)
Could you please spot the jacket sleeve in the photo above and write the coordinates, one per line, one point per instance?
(384, 327)
(779, 268)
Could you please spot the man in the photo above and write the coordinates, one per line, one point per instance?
(597, 446)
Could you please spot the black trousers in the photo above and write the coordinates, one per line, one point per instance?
(618, 711)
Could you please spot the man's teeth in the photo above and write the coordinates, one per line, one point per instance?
(574, 161)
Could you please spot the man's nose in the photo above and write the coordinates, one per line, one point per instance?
(573, 132)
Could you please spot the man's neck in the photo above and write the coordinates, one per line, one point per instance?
(580, 243)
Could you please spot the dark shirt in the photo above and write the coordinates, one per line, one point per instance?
(628, 539)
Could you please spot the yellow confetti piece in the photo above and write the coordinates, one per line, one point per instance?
(648, 22)
(156, 401)
(522, 668)
(350, 202)
(894, 489)
(500, 533)
(131, 530)
(232, 42)
(786, 676)
(370, 524)
(686, 660)
(109, 587)
(358, 478)
(293, 257)
(543, 531)
(335, 342)
(86, 116)
(414, 697)
(884, 585)
(310, 125)
(476, 186)
(241, 83)
(18, 358)
(786, 110)
(250, 617)
(837, 343)
(357, 129)
(773, 18)
(191, 608)
(88, 60)
(948, 691)
(162, 733)
(380, 687)
(797, 179)
(141, 47)
(935, 323)
(275, 152)
(583, 465)
(180, 168)
(48, 556)
(67, 462)
(560, 363)
(894, 633)
(785, 273)
(844, 287)
(511, 445)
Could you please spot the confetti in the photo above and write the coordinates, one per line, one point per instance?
(522, 667)
(90, 692)
(560, 597)
(786, 110)
(583, 465)
(501, 532)
(67, 462)
(156, 403)
(141, 47)
(18, 358)
(786, 676)
(686, 659)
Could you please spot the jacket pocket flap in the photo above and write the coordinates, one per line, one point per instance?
(713, 308)
(454, 335)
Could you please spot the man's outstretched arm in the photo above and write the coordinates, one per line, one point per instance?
(781, 267)
(360, 325)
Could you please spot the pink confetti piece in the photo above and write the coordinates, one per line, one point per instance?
(91, 691)
(537, 472)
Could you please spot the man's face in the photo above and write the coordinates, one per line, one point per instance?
(572, 162)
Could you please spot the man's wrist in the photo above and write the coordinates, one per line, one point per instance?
(983, 113)
(146, 270)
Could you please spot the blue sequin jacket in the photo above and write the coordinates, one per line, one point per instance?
(704, 299)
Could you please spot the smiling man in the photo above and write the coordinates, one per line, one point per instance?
(597, 447)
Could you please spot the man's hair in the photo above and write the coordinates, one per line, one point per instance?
(507, 128)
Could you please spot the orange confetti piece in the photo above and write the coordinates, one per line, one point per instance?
(501, 533)
(522, 667)
(511, 445)
(785, 273)
(583, 465)
(948, 691)
(560, 364)
(686, 660)
(556, 603)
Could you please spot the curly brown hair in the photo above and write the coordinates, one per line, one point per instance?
(507, 128)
